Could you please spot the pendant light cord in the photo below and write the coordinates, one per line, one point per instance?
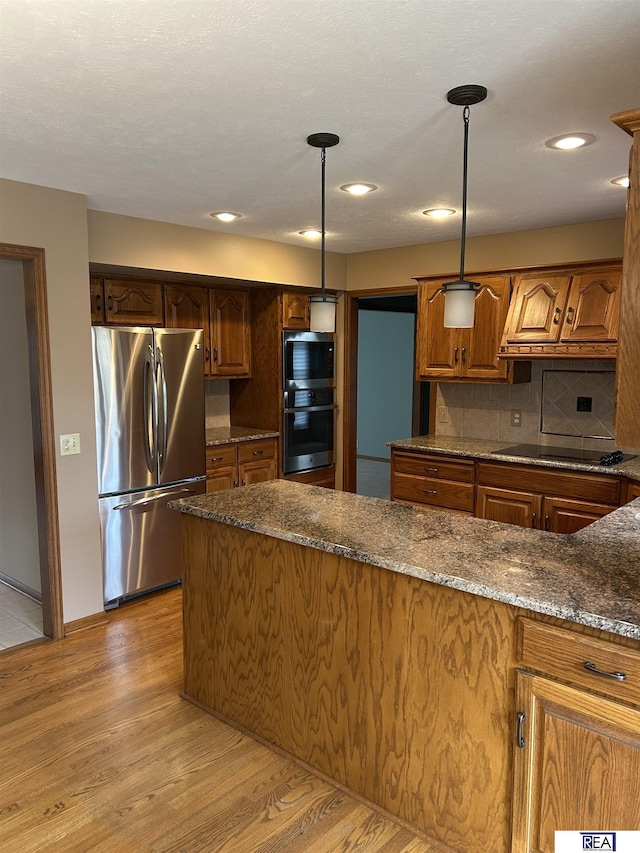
(322, 272)
(465, 117)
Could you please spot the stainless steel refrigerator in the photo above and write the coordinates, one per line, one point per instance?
(149, 398)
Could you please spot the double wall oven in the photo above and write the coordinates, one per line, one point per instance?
(308, 398)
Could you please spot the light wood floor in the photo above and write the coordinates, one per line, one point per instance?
(99, 753)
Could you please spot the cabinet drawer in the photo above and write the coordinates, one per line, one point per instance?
(591, 487)
(435, 467)
(220, 456)
(563, 655)
(249, 451)
(425, 490)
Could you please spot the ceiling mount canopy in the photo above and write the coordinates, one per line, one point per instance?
(323, 306)
(460, 295)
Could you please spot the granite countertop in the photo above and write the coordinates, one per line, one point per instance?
(232, 435)
(480, 449)
(591, 577)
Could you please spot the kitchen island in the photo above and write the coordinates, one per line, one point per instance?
(392, 649)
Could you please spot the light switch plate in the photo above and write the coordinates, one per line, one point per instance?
(70, 444)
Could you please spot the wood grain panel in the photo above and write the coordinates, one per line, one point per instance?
(396, 688)
(438, 467)
(627, 420)
(425, 490)
(564, 483)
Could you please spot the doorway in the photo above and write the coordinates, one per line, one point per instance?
(382, 400)
(30, 551)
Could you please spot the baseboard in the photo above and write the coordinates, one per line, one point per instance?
(21, 587)
(84, 624)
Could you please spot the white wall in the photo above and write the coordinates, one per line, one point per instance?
(19, 556)
(57, 222)
(385, 379)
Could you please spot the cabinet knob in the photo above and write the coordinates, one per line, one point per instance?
(569, 318)
(464, 355)
(556, 316)
(546, 522)
(244, 482)
(215, 353)
(235, 484)
(207, 353)
(534, 515)
(455, 355)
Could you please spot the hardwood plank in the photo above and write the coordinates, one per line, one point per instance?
(99, 752)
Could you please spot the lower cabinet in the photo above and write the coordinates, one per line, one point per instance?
(633, 490)
(232, 465)
(556, 501)
(442, 482)
(577, 752)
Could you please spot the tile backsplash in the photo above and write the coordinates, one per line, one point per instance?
(216, 403)
(474, 410)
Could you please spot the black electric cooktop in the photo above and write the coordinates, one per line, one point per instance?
(566, 454)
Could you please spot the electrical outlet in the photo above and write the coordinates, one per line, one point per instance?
(70, 444)
(516, 417)
(443, 415)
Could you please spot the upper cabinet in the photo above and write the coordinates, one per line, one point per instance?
(224, 317)
(129, 302)
(295, 310)
(564, 314)
(465, 354)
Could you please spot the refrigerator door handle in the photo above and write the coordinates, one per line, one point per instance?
(163, 413)
(150, 404)
(148, 501)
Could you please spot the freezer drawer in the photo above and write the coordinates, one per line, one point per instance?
(141, 539)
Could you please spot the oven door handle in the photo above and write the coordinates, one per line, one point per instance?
(295, 411)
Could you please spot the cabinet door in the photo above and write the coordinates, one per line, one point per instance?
(225, 477)
(295, 311)
(97, 301)
(633, 490)
(479, 345)
(593, 309)
(566, 516)
(257, 472)
(438, 348)
(509, 507)
(187, 307)
(578, 766)
(132, 303)
(230, 333)
(537, 309)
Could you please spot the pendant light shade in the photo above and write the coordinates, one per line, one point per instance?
(460, 296)
(323, 305)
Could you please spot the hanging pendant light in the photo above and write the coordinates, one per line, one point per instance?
(460, 296)
(323, 305)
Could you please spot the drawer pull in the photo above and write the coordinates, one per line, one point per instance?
(258, 452)
(520, 736)
(556, 316)
(616, 676)
(534, 516)
(216, 459)
(430, 491)
(435, 470)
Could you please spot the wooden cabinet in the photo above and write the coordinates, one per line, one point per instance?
(325, 477)
(224, 317)
(131, 302)
(564, 314)
(556, 501)
(441, 482)
(96, 293)
(295, 310)
(467, 354)
(633, 490)
(627, 420)
(577, 755)
(241, 464)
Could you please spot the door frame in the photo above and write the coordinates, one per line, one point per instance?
(37, 317)
(350, 380)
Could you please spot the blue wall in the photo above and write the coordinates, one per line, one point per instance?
(385, 379)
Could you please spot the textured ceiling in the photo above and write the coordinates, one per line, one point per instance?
(170, 109)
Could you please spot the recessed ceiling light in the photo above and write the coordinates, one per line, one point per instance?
(358, 189)
(569, 141)
(312, 233)
(225, 216)
(439, 212)
(622, 181)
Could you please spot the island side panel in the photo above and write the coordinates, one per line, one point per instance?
(400, 689)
